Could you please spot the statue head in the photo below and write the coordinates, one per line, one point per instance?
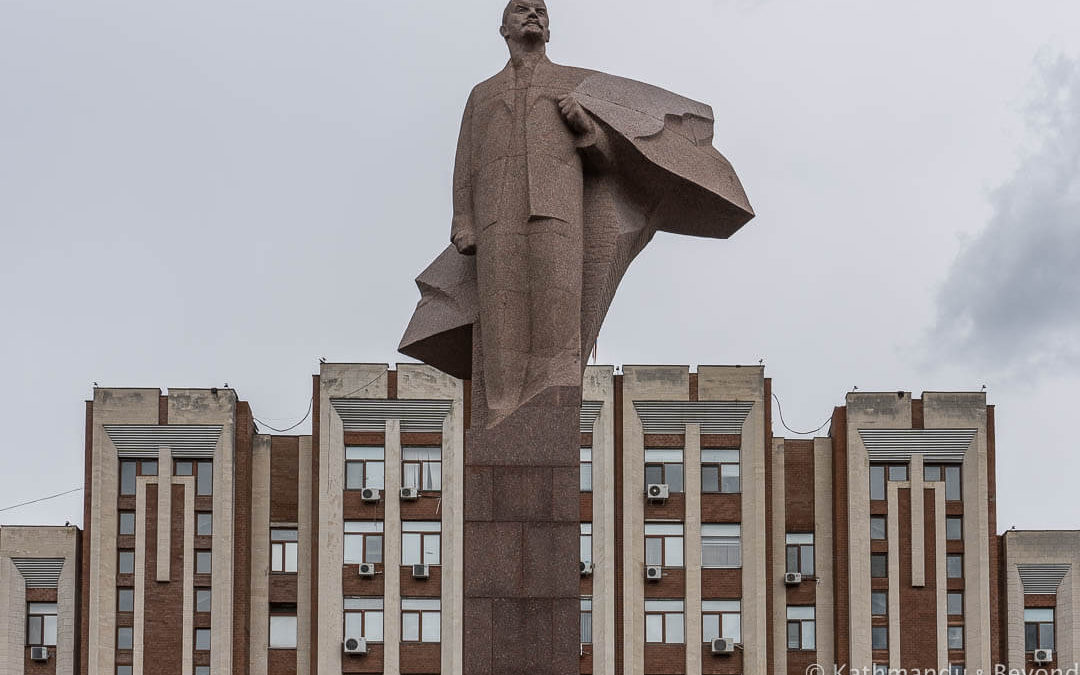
(525, 22)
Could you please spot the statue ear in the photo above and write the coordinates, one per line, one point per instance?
(503, 32)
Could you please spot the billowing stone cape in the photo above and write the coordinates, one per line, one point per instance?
(666, 176)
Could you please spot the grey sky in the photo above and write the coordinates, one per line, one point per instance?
(206, 192)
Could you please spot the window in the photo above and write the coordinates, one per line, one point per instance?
(283, 549)
(421, 543)
(664, 544)
(204, 478)
(721, 619)
(879, 565)
(203, 600)
(202, 670)
(877, 481)
(664, 621)
(586, 621)
(421, 619)
(954, 565)
(898, 473)
(720, 471)
(363, 542)
(956, 637)
(801, 629)
(955, 603)
(932, 473)
(664, 466)
(879, 603)
(125, 599)
(800, 553)
(148, 467)
(586, 542)
(282, 626)
(183, 467)
(957, 669)
(721, 545)
(364, 468)
(879, 528)
(954, 528)
(1038, 629)
(421, 468)
(586, 469)
(125, 561)
(881, 669)
(203, 562)
(364, 618)
(125, 637)
(128, 470)
(879, 637)
(202, 639)
(127, 522)
(123, 670)
(204, 524)
(952, 483)
(41, 624)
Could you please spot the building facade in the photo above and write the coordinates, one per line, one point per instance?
(708, 545)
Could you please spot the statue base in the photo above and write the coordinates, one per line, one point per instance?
(521, 544)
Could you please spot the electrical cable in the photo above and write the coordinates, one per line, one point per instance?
(311, 403)
(780, 409)
(41, 499)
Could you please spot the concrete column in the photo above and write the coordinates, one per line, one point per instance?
(692, 542)
(259, 643)
(918, 522)
(823, 549)
(164, 515)
(303, 562)
(893, 496)
(392, 550)
(779, 562)
(140, 572)
(599, 386)
(12, 616)
(1068, 652)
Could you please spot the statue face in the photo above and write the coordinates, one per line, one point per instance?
(525, 21)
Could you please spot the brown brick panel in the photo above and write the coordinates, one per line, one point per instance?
(205, 503)
(955, 584)
(1040, 600)
(719, 664)
(954, 508)
(428, 507)
(355, 508)
(665, 440)
(664, 659)
(41, 595)
(125, 541)
(918, 606)
(421, 588)
(429, 438)
(283, 588)
(245, 435)
(163, 410)
(799, 661)
(802, 594)
(879, 584)
(798, 485)
(721, 584)
(587, 585)
(721, 508)
(692, 394)
(284, 487)
(954, 546)
(672, 508)
(125, 658)
(164, 602)
(879, 546)
(671, 585)
(314, 635)
(372, 662)
(586, 439)
(281, 662)
(585, 664)
(879, 507)
(202, 620)
(352, 584)
(585, 507)
(202, 658)
(421, 657)
(37, 667)
(369, 438)
(840, 536)
(723, 441)
(125, 503)
(916, 413)
(125, 619)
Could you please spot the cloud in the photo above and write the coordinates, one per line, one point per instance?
(1011, 300)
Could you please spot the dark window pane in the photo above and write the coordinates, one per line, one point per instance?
(932, 474)
(879, 565)
(149, 467)
(807, 556)
(877, 482)
(878, 528)
(127, 478)
(33, 631)
(952, 483)
(954, 529)
(204, 524)
(373, 546)
(586, 476)
(792, 558)
(1046, 636)
(1031, 637)
(898, 473)
(354, 475)
(205, 480)
(126, 562)
(202, 600)
(184, 469)
(793, 635)
(673, 474)
(954, 564)
(956, 603)
(710, 478)
(879, 603)
(203, 563)
(125, 600)
(956, 637)
(127, 522)
(879, 636)
(654, 474)
(729, 478)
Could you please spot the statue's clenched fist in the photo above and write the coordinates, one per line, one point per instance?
(575, 115)
(465, 242)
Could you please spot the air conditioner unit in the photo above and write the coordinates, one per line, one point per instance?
(657, 491)
(793, 578)
(370, 494)
(586, 568)
(420, 572)
(654, 572)
(355, 645)
(39, 653)
(409, 494)
(1044, 655)
(723, 646)
(367, 569)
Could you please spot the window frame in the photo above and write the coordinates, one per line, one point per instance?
(948, 605)
(875, 631)
(287, 615)
(885, 531)
(666, 466)
(365, 613)
(200, 518)
(1039, 625)
(719, 459)
(949, 557)
(879, 556)
(123, 554)
(880, 594)
(363, 463)
(721, 610)
(585, 542)
(802, 550)
(585, 466)
(40, 612)
(280, 545)
(665, 608)
(377, 529)
(424, 530)
(204, 552)
(950, 631)
(659, 534)
(586, 620)
(421, 609)
(122, 516)
(800, 624)
(421, 464)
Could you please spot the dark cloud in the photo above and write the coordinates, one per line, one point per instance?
(1011, 300)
